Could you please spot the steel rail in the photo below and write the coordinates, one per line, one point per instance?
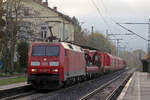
(19, 95)
(117, 91)
(8, 93)
(58, 91)
(89, 95)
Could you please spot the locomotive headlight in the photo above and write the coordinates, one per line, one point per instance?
(55, 70)
(54, 63)
(35, 63)
(33, 70)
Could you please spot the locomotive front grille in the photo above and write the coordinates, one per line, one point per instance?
(43, 77)
(44, 81)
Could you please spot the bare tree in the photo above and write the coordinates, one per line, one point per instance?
(12, 9)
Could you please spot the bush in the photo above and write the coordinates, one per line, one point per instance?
(17, 67)
(6, 60)
(22, 50)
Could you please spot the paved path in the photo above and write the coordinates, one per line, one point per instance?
(5, 87)
(137, 88)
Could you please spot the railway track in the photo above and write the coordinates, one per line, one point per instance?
(98, 89)
(117, 91)
(19, 95)
(114, 93)
(15, 91)
(75, 92)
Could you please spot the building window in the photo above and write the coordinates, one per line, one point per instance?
(41, 34)
(43, 29)
(44, 34)
(26, 12)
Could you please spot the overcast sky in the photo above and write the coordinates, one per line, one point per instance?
(119, 10)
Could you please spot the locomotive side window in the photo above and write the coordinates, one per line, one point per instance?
(81, 49)
(70, 46)
(65, 52)
(45, 51)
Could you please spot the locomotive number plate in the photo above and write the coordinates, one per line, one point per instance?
(44, 63)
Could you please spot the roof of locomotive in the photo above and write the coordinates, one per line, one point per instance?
(66, 45)
(70, 46)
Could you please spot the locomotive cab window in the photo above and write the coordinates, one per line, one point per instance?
(45, 51)
(52, 51)
(38, 51)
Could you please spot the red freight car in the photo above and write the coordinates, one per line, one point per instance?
(93, 63)
(108, 62)
(112, 63)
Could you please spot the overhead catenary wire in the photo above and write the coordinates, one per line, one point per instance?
(124, 27)
(99, 12)
(115, 22)
(107, 12)
(104, 6)
(131, 31)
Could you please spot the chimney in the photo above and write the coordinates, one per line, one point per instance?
(55, 8)
(45, 3)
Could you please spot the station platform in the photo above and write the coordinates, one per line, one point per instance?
(137, 88)
(11, 86)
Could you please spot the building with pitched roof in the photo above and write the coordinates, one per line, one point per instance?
(39, 22)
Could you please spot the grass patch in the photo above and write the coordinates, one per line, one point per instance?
(7, 74)
(12, 80)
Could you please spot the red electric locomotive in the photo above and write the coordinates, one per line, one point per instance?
(52, 64)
